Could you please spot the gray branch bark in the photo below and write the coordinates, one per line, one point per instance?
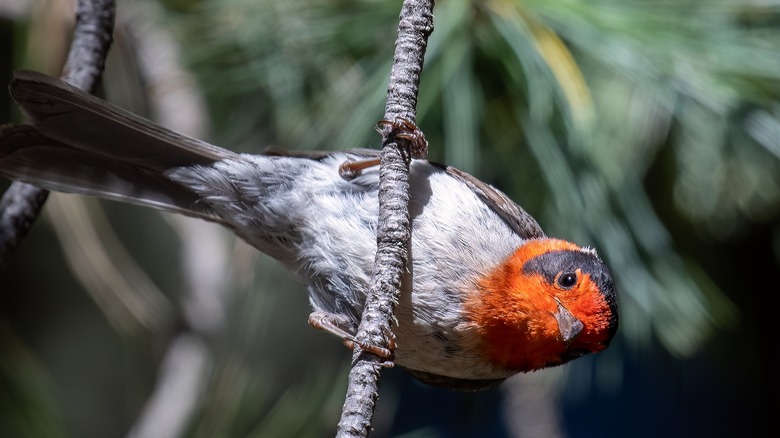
(21, 204)
(394, 232)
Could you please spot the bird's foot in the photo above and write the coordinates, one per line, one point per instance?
(335, 325)
(352, 169)
(407, 130)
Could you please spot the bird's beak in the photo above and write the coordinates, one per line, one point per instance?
(568, 325)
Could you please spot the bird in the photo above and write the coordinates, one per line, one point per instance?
(486, 294)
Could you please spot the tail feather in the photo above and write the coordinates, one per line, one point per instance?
(80, 144)
(81, 120)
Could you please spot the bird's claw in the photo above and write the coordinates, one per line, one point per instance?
(406, 129)
(399, 128)
(334, 324)
(352, 169)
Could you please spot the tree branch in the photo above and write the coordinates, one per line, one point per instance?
(21, 203)
(394, 232)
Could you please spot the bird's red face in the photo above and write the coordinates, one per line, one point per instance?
(548, 303)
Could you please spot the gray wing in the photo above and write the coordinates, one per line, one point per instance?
(515, 217)
(522, 223)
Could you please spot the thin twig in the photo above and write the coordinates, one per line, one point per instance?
(91, 41)
(21, 204)
(393, 234)
(19, 208)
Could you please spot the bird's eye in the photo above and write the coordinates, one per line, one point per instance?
(566, 280)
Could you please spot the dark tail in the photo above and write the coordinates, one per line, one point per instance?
(78, 143)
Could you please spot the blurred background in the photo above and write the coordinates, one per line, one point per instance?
(648, 129)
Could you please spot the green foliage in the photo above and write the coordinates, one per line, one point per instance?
(589, 113)
(244, 402)
(581, 96)
(26, 400)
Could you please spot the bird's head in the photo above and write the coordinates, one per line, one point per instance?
(551, 301)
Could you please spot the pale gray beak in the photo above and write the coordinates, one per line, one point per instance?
(568, 325)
